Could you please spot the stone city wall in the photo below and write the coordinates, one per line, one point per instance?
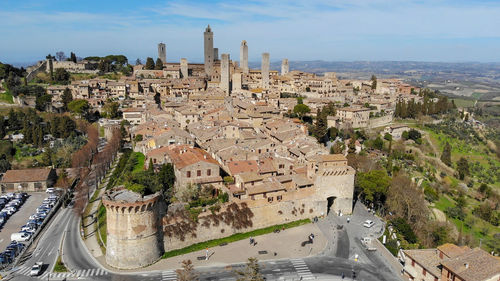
(180, 232)
(379, 121)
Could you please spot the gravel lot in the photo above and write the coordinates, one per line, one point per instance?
(20, 218)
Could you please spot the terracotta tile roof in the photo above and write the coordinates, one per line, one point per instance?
(184, 155)
(268, 186)
(250, 176)
(474, 265)
(27, 175)
(426, 258)
(329, 158)
(243, 166)
(452, 250)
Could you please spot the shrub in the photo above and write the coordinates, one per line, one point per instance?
(404, 229)
(430, 193)
(392, 246)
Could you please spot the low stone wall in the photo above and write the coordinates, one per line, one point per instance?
(180, 232)
(380, 121)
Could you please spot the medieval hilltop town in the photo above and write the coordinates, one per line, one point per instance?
(237, 150)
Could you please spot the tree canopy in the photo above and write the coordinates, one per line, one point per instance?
(301, 110)
(150, 64)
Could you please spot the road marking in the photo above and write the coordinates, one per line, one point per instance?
(302, 269)
(168, 275)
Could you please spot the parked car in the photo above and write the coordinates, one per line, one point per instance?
(20, 237)
(50, 190)
(5, 258)
(368, 223)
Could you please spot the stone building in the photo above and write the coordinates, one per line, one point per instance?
(285, 67)
(28, 180)
(193, 166)
(450, 262)
(162, 52)
(134, 236)
(265, 70)
(225, 74)
(209, 50)
(244, 57)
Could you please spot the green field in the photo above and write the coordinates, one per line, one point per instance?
(461, 103)
(7, 96)
(139, 166)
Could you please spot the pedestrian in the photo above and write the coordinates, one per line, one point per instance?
(206, 254)
(348, 220)
(251, 240)
(343, 275)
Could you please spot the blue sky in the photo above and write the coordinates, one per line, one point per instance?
(333, 30)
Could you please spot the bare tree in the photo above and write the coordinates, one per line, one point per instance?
(60, 56)
(187, 273)
(251, 272)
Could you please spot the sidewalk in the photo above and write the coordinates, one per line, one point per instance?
(90, 221)
(286, 244)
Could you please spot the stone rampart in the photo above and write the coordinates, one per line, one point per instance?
(134, 236)
(180, 231)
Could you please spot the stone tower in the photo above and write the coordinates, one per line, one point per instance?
(134, 236)
(162, 52)
(244, 57)
(285, 68)
(264, 69)
(184, 68)
(236, 83)
(224, 73)
(216, 54)
(209, 50)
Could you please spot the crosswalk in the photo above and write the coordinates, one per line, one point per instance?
(302, 269)
(24, 270)
(168, 275)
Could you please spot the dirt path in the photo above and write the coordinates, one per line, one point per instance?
(439, 215)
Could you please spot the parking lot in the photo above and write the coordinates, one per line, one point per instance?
(20, 218)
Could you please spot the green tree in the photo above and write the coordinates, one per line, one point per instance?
(150, 64)
(47, 157)
(446, 155)
(61, 76)
(388, 137)
(374, 82)
(111, 109)
(301, 110)
(373, 185)
(463, 168)
(251, 272)
(12, 81)
(4, 164)
(166, 176)
(79, 107)
(159, 64)
(378, 143)
(138, 61)
(42, 102)
(67, 97)
(72, 57)
(320, 126)
(138, 138)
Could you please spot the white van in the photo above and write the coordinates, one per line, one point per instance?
(20, 237)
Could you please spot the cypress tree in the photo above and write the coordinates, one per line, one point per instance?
(446, 155)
